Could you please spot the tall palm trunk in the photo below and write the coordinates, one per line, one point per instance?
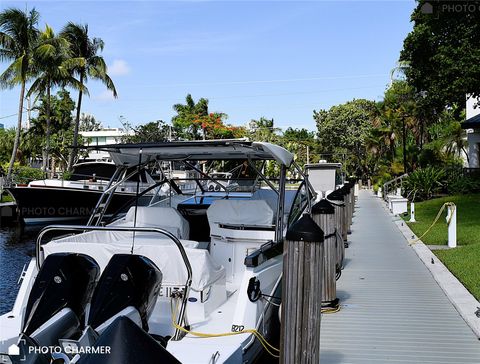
(73, 152)
(17, 133)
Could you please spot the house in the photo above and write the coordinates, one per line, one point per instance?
(102, 137)
(1, 126)
(472, 126)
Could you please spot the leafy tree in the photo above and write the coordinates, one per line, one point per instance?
(184, 122)
(302, 143)
(442, 52)
(58, 113)
(94, 67)
(400, 111)
(18, 36)
(7, 139)
(263, 130)
(53, 66)
(154, 131)
(89, 123)
(342, 134)
(213, 127)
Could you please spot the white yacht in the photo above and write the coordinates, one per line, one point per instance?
(186, 279)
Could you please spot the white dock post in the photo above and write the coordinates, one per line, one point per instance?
(412, 213)
(452, 225)
(379, 192)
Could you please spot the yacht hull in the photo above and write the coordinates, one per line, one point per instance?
(47, 204)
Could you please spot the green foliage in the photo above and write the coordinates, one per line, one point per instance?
(442, 52)
(463, 185)
(343, 131)
(263, 130)
(24, 174)
(89, 123)
(18, 38)
(302, 143)
(423, 183)
(7, 137)
(61, 118)
(155, 131)
(183, 122)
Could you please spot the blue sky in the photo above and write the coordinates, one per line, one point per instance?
(275, 59)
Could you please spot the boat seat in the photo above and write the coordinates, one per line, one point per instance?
(166, 218)
(241, 219)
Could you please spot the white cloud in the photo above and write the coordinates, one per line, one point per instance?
(119, 67)
(106, 95)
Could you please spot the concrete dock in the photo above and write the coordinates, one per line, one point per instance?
(392, 310)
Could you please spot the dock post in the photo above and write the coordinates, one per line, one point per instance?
(323, 213)
(412, 212)
(347, 190)
(452, 225)
(301, 292)
(336, 197)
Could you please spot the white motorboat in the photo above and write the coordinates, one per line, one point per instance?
(189, 279)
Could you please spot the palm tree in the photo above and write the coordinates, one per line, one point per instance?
(18, 35)
(52, 66)
(94, 67)
(184, 121)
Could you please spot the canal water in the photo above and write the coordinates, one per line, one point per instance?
(17, 247)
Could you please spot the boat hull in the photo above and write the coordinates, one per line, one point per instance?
(47, 204)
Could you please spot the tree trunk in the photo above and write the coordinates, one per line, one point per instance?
(47, 144)
(73, 152)
(16, 143)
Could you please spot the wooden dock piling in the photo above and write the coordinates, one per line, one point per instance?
(336, 197)
(301, 293)
(323, 213)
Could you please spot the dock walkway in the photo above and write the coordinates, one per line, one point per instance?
(393, 311)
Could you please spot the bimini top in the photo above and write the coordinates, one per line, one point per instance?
(128, 154)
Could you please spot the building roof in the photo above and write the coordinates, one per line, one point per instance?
(472, 123)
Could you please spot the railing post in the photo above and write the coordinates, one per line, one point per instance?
(301, 292)
(323, 213)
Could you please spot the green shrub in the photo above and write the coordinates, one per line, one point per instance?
(463, 185)
(23, 174)
(423, 183)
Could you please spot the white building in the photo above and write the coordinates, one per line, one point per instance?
(472, 126)
(102, 137)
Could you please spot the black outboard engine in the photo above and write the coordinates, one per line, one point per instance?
(128, 286)
(124, 342)
(57, 301)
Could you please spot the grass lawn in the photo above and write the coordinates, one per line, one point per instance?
(464, 261)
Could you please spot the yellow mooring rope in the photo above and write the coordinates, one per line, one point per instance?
(266, 345)
(435, 221)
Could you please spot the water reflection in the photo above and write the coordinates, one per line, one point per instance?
(17, 247)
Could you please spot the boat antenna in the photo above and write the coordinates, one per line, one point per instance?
(136, 197)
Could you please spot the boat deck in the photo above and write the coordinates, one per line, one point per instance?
(393, 311)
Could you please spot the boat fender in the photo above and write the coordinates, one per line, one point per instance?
(253, 290)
